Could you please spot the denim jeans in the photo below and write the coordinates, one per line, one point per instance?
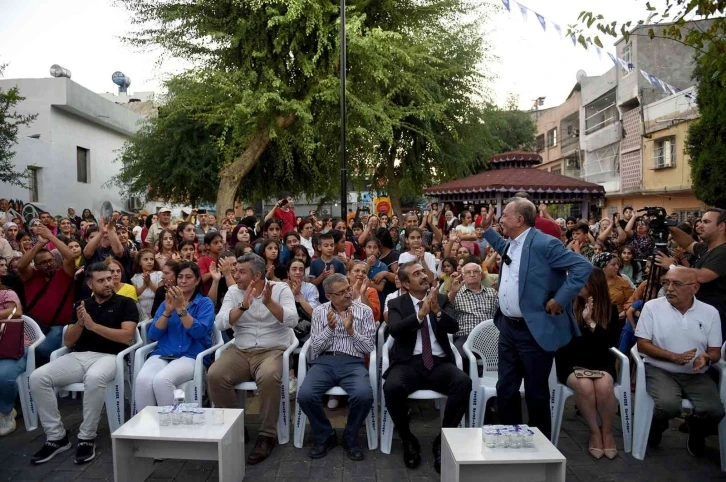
(53, 341)
(9, 371)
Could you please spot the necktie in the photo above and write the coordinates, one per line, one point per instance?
(426, 354)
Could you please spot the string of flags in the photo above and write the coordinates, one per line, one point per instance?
(524, 11)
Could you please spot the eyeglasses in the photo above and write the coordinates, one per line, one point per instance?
(344, 292)
(675, 284)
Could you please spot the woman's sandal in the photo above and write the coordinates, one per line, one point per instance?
(611, 453)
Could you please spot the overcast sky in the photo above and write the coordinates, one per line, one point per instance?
(82, 36)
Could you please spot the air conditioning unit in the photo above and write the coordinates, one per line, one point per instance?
(572, 164)
(135, 203)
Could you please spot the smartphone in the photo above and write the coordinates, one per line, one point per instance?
(283, 202)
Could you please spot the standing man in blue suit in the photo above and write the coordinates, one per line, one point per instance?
(538, 280)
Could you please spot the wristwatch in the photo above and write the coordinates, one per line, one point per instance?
(183, 313)
(242, 307)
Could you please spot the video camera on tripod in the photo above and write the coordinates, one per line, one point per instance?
(659, 223)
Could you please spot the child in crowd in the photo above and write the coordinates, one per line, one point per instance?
(146, 280)
(326, 264)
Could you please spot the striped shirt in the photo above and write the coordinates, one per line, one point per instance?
(472, 308)
(324, 339)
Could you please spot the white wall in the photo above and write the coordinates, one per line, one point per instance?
(69, 116)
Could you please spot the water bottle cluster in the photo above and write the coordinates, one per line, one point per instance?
(508, 436)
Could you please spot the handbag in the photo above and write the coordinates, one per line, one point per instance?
(587, 373)
(11, 339)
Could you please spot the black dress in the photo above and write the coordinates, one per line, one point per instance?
(591, 350)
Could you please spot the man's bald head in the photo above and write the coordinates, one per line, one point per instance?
(681, 284)
(683, 274)
(472, 273)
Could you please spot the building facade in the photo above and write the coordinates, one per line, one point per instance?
(557, 139)
(70, 149)
(631, 133)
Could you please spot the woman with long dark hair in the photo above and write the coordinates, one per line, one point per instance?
(182, 329)
(270, 252)
(586, 365)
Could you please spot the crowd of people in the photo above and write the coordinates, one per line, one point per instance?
(562, 290)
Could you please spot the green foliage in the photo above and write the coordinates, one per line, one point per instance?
(10, 122)
(669, 22)
(413, 80)
(706, 142)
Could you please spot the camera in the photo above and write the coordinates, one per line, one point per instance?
(659, 223)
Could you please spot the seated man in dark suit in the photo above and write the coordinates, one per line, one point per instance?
(421, 358)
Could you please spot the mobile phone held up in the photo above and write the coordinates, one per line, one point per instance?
(283, 202)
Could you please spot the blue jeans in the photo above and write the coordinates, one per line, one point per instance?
(53, 341)
(326, 372)
(627, 339)
(9, 372)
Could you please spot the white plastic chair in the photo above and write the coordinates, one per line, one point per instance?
(115, 390)
(621, 387)
(30, 414)
(483, 341)
(371, 420)
(644, 407)
(143, 328)
(386, 422)
(283, 420)
(381, 339)
(194, 388)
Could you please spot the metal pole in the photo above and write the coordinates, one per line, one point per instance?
(343, 145)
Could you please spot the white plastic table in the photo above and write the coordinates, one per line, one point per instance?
(465, 458)
(140, 440)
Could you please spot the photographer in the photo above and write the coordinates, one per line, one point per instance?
(641, 241)
(283, 209)
(710, 267)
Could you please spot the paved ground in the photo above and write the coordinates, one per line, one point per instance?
(669, 462)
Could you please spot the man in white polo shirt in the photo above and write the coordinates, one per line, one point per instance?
(680, 337)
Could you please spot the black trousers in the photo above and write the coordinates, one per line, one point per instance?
(521, 357)
(404, 379)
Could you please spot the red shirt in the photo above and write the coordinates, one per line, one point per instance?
(204, 263)
(547, 226)
(288, 219)
(44, 309)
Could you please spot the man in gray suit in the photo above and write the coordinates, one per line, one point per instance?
(538, 280)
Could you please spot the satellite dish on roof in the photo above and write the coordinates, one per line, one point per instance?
(123, 81)
(581, 74)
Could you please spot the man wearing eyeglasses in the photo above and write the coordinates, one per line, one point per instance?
(680, 338)
(710, 265)
(473, 304)
(342, 334)
(49, 291)
(537, 283)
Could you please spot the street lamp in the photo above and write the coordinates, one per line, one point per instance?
(343, 145)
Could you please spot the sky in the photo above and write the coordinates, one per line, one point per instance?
(83, 36)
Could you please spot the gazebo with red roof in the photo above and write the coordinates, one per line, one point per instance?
(513, 172)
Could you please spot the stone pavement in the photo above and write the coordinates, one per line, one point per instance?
(669, 462)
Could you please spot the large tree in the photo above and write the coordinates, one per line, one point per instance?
(706, 142)
(10, 122)
(265, 86)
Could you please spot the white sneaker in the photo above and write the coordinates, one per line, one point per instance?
(7, 423)
(333, 402)
(293, 387)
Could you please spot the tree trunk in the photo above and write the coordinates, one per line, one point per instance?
(394, 183)
(232, 174)
(322, 201)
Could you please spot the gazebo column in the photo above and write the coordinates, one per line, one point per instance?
(585, 207)
(499, 203)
